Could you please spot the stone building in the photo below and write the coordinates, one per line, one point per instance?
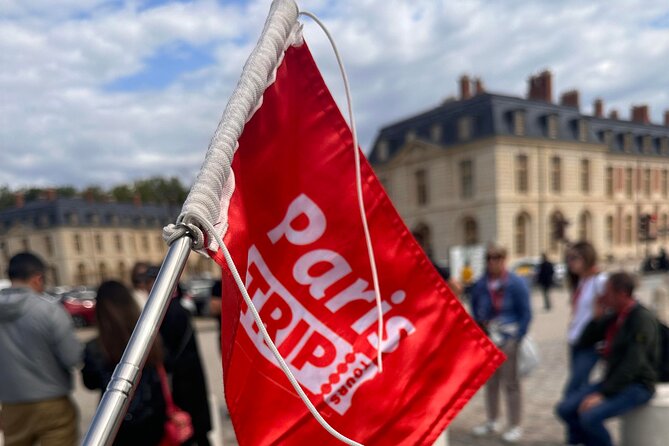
(84, 242)
(521, 171)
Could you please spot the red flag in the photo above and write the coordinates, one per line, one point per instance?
(296, 237)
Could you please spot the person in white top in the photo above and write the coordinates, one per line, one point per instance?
(587, 285)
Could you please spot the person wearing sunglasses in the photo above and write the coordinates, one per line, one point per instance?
(500, 303)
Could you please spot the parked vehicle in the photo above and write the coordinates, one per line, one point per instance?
(527, 268)
(199, 291)
(80, 303)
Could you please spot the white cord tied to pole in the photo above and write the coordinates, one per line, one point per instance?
(358, 185)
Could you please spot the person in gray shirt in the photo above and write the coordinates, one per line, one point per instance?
(38, 349)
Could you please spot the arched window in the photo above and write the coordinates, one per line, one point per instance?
(557, 228)
(585, 226)
(470, 231)
(423, 236)
(521, 234)
(609, 229)
(103, 271)
(627, 230)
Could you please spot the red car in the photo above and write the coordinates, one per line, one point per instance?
(81, 306)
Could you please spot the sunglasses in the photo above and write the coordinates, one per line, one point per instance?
(494, 257)
(571, 258)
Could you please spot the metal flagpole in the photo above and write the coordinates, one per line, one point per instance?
(113, 405)
(200, 209)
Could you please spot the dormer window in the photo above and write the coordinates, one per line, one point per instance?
(647, 144)
(410, 135)
(436, 133)
(628, 142)
(664, 146)
(465, 128)
(382, 150)
(519, 123)
(552, 126)
(582, 126)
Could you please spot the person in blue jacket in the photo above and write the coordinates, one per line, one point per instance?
(500, 303)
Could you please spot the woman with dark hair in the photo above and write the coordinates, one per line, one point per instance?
(587, 285)
(117, 314)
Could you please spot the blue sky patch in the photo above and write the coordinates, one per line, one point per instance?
(661, 21)
(164, 67)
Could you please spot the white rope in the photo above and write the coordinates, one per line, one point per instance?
(284, 367)
(358, 184)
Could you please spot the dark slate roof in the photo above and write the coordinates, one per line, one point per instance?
(62, 212)
(492, 115)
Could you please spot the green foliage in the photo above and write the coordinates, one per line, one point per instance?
(152, 190)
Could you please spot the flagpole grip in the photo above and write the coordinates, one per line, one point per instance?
(112, 407)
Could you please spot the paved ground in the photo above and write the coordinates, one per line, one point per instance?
(541, 390)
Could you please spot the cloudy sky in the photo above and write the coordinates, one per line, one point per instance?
(109, 91)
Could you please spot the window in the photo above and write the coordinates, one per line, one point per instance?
(471, 231)
(646, 182)
(145, 243)
(664, 186)
(664, 146)
(607, 137)
(98, 243)
(72, 218)
(628, 182)
(382, 148)
(25, 244)
(582, 130)
(466, 179)
(552, 126)
(436, 132)
(119, 242)
(521, 173)
(121, 270)
(48, 245)
(81, 274)
(421, 187)
(585, 176)
(647, 144)
(410, 135)
(465, 128)
(103, 271)
(609, 181)
(556, 174)
(77, 243)
(627, 231)
(521, 234)
(609, 229)
(519, 123)
(584, 229)
(423, 236)
(628, 142)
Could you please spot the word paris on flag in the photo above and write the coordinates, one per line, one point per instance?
(295, 233)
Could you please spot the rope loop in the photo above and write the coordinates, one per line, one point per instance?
(173, 232)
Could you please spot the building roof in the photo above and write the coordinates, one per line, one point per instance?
(493, 115)
(80, 212)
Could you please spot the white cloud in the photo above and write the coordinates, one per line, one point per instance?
(60, 125)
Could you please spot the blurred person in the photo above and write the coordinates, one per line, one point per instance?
(500, 304)
(38, 349)
(627, 336)
(117, 314)
(140, 287)
(587, 285)
(544, 278)
(183, 363)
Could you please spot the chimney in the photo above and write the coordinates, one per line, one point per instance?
(640, 114)
(666, 118)
(599, 108)
(541, 87)
(613, 114)
(137, 200)
(88, 195)
(465, 92)
(570, 99)
(51, 194)
(478, 86)
(20, 199)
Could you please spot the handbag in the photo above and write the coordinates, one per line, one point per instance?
(528, 356)
(178, 427)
